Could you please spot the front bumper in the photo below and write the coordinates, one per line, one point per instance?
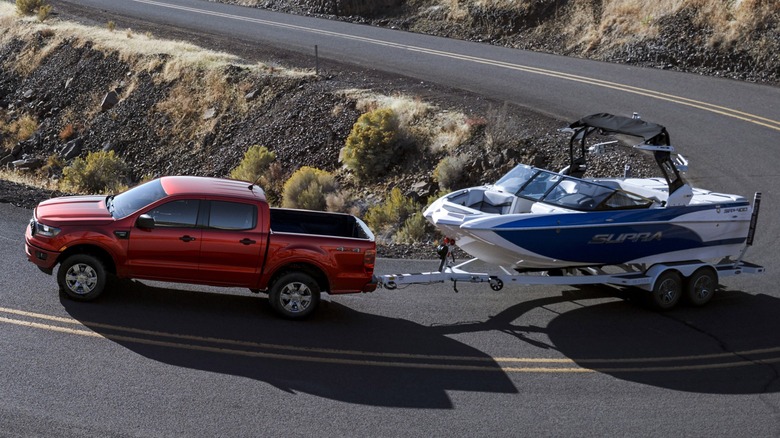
(44, 259)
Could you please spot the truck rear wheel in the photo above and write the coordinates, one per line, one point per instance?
(82, 277)
(294, 295)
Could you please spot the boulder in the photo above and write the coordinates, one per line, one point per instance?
(27, 164)
(109, 101)
(72, 149)
(209, 113)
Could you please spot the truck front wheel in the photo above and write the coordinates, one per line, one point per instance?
(294, 295)
(82, 277)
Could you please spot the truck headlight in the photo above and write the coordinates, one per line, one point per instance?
(45, 230)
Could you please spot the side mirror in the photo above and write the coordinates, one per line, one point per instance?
(144, 221)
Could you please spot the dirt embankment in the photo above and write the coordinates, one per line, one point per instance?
(184, 110)
(734, 39)
(177, 116)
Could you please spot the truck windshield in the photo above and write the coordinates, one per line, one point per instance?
(134, 199)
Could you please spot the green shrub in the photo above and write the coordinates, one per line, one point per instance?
(449, 173)
(254, 165)
(373, 144)
(308, 188)
(43, 13)
(392, 214)
(29, 7)
(99, 172)
(415, 229)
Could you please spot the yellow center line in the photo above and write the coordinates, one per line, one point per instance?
(288, 357)
(738, 359)
(717, 109)
(251, 344)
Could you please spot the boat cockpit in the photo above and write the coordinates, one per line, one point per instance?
(524, 186)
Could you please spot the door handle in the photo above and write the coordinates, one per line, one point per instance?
(247, 241)
(186, 238)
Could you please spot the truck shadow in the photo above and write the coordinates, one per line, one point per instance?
(730, 346)
(339, 353)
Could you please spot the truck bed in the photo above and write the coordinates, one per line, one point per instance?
(317, 223)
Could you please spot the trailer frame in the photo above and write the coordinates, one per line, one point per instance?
(693, 281)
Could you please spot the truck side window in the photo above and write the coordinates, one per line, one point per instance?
(232, 216)
(181, 213)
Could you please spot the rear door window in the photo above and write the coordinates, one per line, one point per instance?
(232, 216)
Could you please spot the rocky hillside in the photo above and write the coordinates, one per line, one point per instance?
(738, 39)
(67, 90)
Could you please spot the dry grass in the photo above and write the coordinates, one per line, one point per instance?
(196, 75)
(67, 132)
(196, 91)
(136, 49)
(29, 179)
(611, 22)
(23, 128)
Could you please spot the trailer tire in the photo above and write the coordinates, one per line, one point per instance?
(667, 290)
(82, 277)
(294, 295)
(701, 286)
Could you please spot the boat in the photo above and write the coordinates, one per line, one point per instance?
(536, 219)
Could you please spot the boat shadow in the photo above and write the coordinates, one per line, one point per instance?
(729, 346)
(338, 353)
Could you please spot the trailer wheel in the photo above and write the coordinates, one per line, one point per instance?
(700, 287)
(667, 290)
(294, 295)
(82, 277)
(496, 284)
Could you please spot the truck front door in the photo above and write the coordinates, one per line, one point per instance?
(170, 249)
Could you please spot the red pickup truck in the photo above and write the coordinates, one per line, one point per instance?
(205, 231)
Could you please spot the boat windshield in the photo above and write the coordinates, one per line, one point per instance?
(516, 178)
(564, 191)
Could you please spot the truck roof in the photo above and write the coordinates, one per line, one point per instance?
(199, 185)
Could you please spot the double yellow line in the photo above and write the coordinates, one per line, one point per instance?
(262, 350)
(693, 103)
(276, 351)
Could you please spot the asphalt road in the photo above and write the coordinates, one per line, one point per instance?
(172, 360)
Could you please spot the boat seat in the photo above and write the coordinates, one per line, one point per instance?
(494, 202)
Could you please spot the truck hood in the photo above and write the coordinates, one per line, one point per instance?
(73, 209)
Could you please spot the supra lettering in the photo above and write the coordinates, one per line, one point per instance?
(626, 237)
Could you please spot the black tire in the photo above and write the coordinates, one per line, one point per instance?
(294, 295)
(82, 277)
(667, 290)
(701, 286)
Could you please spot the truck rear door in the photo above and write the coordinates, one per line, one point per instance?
(232, 244)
